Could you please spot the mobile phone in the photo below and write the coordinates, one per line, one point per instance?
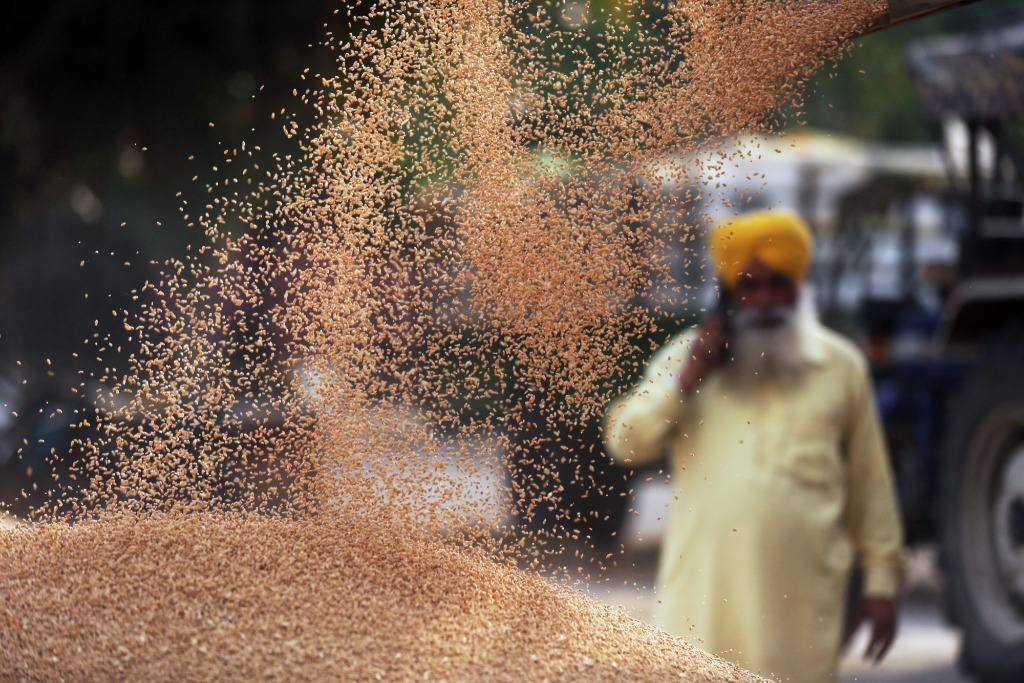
(723, 309)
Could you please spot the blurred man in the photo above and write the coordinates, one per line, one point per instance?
(778, 463)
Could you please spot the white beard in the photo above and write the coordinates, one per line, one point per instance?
(772, 344)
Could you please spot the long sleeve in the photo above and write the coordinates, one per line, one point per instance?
(872, 512)
(639, 423)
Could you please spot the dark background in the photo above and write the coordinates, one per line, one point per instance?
(105, 113)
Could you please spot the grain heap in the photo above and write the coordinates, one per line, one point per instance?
(163, 598)
(458, 243)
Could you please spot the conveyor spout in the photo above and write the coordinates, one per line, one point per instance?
(901, 11)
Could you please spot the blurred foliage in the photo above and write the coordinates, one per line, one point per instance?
(870, 94)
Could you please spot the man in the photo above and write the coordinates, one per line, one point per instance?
(778, 465)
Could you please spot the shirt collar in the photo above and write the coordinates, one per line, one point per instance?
(814, 345)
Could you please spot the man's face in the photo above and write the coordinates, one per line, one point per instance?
(763, 297)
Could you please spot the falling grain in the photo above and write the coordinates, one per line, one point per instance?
(455, 257)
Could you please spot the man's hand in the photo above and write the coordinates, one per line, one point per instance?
(881, 612)
(707, 353)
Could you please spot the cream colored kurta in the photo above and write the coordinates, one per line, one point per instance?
(776, 485)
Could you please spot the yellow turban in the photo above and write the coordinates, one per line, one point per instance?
(779, 239)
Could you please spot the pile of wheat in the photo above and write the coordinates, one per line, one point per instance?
(243, 598)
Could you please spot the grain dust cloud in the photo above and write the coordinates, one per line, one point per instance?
(469, 251)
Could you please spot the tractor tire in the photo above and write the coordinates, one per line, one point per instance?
(982, 539)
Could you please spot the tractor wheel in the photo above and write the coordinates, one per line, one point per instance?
(983, 516)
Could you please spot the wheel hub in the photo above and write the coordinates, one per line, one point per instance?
(1017, 523)
(1008, 528)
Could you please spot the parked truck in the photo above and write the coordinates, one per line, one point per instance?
(947, 342)
(920, 258)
